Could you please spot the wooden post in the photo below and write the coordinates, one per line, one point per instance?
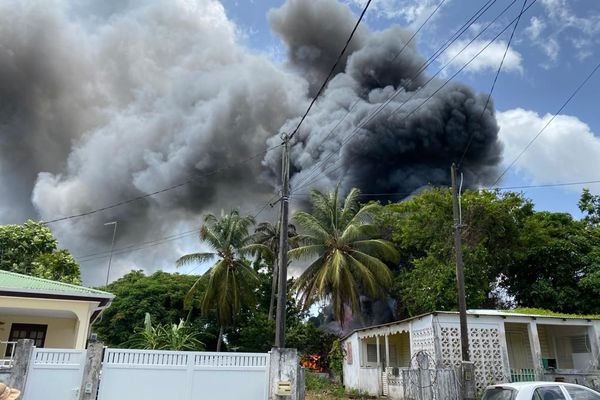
(91, 371)
(21, 362)
(387, 351)
(378, 354)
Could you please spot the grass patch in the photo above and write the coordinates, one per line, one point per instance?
(548, 313)
(322, 388)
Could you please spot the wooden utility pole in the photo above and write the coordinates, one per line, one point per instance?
(283, 245)
(460, 276)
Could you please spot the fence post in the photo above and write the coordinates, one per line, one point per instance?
(22, 359)
(91, 371)
(468, 380)
(284, 375)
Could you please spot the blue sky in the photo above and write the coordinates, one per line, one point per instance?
(554, 48)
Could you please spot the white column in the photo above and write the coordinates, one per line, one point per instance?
(377, 346)
(387, 350)
(536, 349)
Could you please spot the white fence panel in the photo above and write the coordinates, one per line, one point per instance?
(159, 375)
(55, 374)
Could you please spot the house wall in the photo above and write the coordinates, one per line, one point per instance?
(351, 362)
(61, 334)
(363, 378)
(80, 311)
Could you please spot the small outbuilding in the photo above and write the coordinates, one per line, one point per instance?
(52, 314)
(504, 347)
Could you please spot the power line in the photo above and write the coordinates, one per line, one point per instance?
(487, 102)
(155, 242)
(169, 188)
(369, 118)
(332, 69)
(458, 33)
(540, 186)
(564, 104)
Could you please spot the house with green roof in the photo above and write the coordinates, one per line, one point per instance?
(52, 314)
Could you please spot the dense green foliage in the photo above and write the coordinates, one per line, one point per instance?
(160, 294)
(513, 255)
(347, 257)
(31, 249)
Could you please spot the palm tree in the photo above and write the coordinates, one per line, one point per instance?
(231, 279)
(267, 234)
(348, 253)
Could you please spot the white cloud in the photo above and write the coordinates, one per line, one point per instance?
(535, 28)
(488, 60)
(551, 48)
(562, 22)
(566, 151)
(414, 12)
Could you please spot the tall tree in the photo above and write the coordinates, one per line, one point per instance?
(421, 228)
(349, 255)
(267, 234)
(31, 249)
(230, 282)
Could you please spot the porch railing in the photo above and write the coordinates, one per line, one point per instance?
(522, 375)
(7, 354)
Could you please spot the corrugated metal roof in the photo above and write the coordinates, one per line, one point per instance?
(19, 282)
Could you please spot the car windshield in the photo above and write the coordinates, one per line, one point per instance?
(498, 393)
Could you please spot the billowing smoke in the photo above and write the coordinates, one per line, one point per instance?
(101, 103)
(399, 150)
(105, 101)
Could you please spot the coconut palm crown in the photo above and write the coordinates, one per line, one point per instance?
(347, 255)
(231, 280)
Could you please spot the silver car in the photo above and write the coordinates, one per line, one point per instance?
(539, 391)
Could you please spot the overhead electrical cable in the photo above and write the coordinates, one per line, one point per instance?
(163, 190)
(455, 36)
(370, 117)
(155, 242)
(540, 186)
(337, 61)
(487, 102)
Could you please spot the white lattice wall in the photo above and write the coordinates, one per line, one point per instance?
(484, 351)
(423, 340)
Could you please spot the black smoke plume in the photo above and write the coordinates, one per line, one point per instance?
(105, 101)
(399, 150)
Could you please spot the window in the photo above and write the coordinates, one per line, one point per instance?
(372, 353)
(37, 333)
(548, 393)
(578, 393)
(499, 393)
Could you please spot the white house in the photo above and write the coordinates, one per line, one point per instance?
(504, 346)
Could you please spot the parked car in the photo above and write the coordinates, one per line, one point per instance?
(539, 391)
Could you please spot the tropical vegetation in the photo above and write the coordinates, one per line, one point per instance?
(347, 256)
(230, 282)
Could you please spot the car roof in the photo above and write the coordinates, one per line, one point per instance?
(521, 385)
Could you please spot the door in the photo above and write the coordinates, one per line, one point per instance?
(55, 374)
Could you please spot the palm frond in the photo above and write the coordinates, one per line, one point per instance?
(306, 251)
(194, 258)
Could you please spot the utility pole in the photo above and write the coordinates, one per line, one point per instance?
(468, 389)
(283, 245)
(112, 246)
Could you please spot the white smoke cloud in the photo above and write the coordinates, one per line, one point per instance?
(117, 100)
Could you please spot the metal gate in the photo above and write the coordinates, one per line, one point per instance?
(54, 374)
(159, 375)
